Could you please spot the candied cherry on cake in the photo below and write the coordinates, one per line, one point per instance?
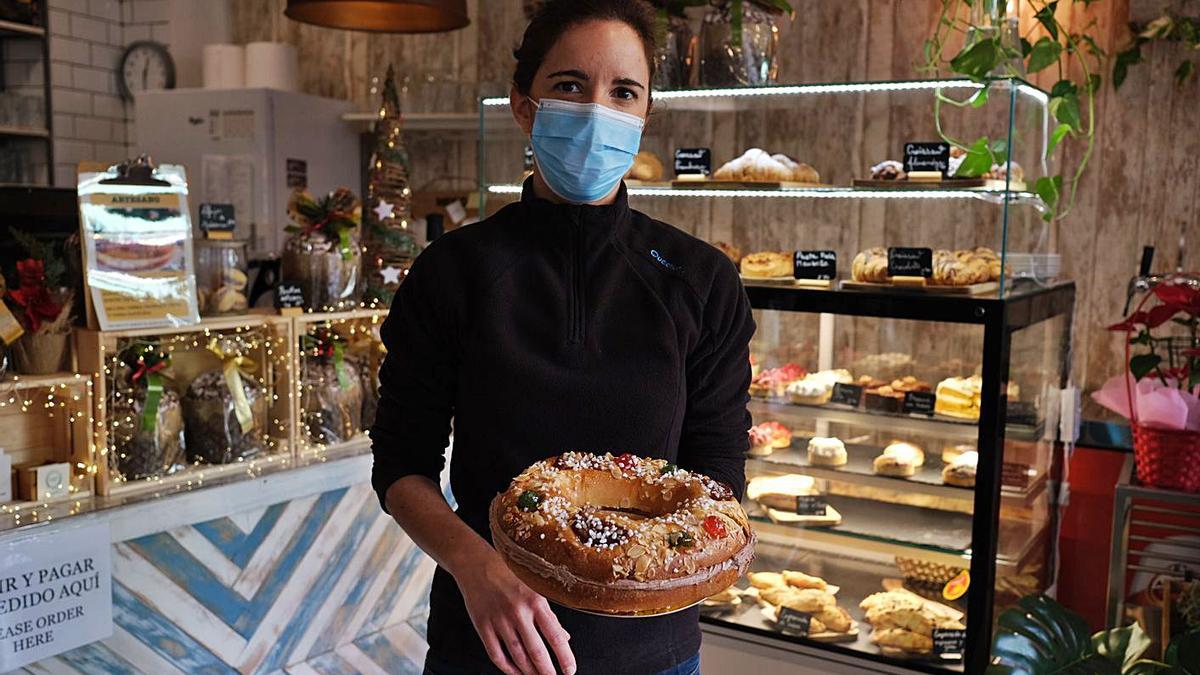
(714, 527)
(625, 461)
(668, 468)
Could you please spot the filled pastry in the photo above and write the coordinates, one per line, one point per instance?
(899, 459)
(774, 381)
(780, 492)
(769, 265)
(646, 166)
(757, 164)
(816, 388)
(888, 169)
(826, 452)
(961, 471)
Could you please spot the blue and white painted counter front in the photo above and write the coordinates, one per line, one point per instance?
(296, 572)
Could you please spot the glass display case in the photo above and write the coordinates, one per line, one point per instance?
(904, 456)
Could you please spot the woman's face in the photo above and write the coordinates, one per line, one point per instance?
(593, 62)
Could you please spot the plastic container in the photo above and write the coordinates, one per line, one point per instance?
(222, 277)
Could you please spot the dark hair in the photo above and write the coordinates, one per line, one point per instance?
(553, 17)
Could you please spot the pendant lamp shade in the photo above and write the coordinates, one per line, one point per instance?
(382, 16)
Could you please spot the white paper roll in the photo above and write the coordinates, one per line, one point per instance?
(272, 65)
(224, 66)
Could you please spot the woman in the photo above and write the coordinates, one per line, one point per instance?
(564, 322)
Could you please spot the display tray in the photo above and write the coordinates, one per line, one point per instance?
(973, 289)
(951, 184)
(857, 579)
(860, 461)
(714, 184)
(944, 531)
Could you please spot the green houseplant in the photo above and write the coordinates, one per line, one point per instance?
(989, 53)
(1041, 637)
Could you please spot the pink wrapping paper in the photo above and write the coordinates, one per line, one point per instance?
(1158, 405)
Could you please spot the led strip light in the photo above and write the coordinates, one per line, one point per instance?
(803, 89)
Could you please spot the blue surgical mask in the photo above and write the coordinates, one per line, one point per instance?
(583, 149)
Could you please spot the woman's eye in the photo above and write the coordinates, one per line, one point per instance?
(569, 87)
(625, 93)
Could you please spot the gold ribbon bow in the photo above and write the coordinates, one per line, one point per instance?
(235, 365)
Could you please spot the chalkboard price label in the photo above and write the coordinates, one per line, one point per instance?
(919, 403)
(289, 296)
(811, 505)
(297, 173)
(846, 394)
(217, 218)
(816, 265)
(949, 643)
(910, 262)
(693, 161)
(794, 622)
(927, 157)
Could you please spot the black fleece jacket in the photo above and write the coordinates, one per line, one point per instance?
(552, 327)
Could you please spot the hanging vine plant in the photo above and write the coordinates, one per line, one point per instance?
(990, 54)
(1166, 28)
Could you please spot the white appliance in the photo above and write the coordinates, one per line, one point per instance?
(249, 148)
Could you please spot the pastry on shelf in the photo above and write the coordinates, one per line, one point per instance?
(961, 471)
(732, 252)
(890, 397)
(888, 169)
(726, 599)
(953, 452)
(898, 638)
(646, 167)
(899, 459)
(757, 165)
(886, 366)
(952, 269)
(870, 266)
(959, 397)
(774, 381)
(816, 388)
(780, 492)
(826, 452)
(925, 571)
(769, 265)
(768, 437)
(802, 580)
(764, 580)
(1002, 171)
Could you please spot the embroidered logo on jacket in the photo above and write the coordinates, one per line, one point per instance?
(663, 261)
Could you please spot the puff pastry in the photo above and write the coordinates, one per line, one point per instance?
(802, 580)
(870, 266)
(768, 265)
(898, 638)
(757, 164)
(765, 580)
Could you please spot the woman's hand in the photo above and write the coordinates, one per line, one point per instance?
(510, 617)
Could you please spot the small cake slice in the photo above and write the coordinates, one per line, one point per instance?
(780, 492)
(760, 442)
(959, 397)
(824, 451)
(899, 459)
(816, 388)
(961, 471)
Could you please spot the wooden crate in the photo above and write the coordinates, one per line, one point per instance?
(49, 418)
(97, 352)
(348, 324)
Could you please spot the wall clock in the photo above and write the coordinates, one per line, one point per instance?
(145, 66)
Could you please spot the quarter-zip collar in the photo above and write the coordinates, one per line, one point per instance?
(608, 218)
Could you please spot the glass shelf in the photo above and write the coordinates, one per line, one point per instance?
(989, 195)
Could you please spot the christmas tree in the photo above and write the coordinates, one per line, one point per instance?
(388, 240)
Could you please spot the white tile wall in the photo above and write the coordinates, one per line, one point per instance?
(87, 38)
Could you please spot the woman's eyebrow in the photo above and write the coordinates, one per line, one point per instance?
(577, 74)
(628, 82)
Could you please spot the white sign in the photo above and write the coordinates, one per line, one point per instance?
(55, 593)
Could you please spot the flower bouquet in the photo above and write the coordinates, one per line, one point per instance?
(43, 306)
(1160, 393)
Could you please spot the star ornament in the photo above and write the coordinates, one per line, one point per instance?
(391, 275)
(384, 210)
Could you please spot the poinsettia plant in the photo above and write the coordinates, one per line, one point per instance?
(1164, 357)
(38, 297)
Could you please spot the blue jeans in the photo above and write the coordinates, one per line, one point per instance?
(435, 666)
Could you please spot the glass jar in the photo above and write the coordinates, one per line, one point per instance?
(676, 56)
(752, 63)
(331, 278)
(212, 430)
(222, 277)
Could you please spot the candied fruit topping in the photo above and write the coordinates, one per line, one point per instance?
(626, 461)
(714, 527)
(529, 500)
(680, 539)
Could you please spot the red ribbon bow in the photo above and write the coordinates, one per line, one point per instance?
(145, 370)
